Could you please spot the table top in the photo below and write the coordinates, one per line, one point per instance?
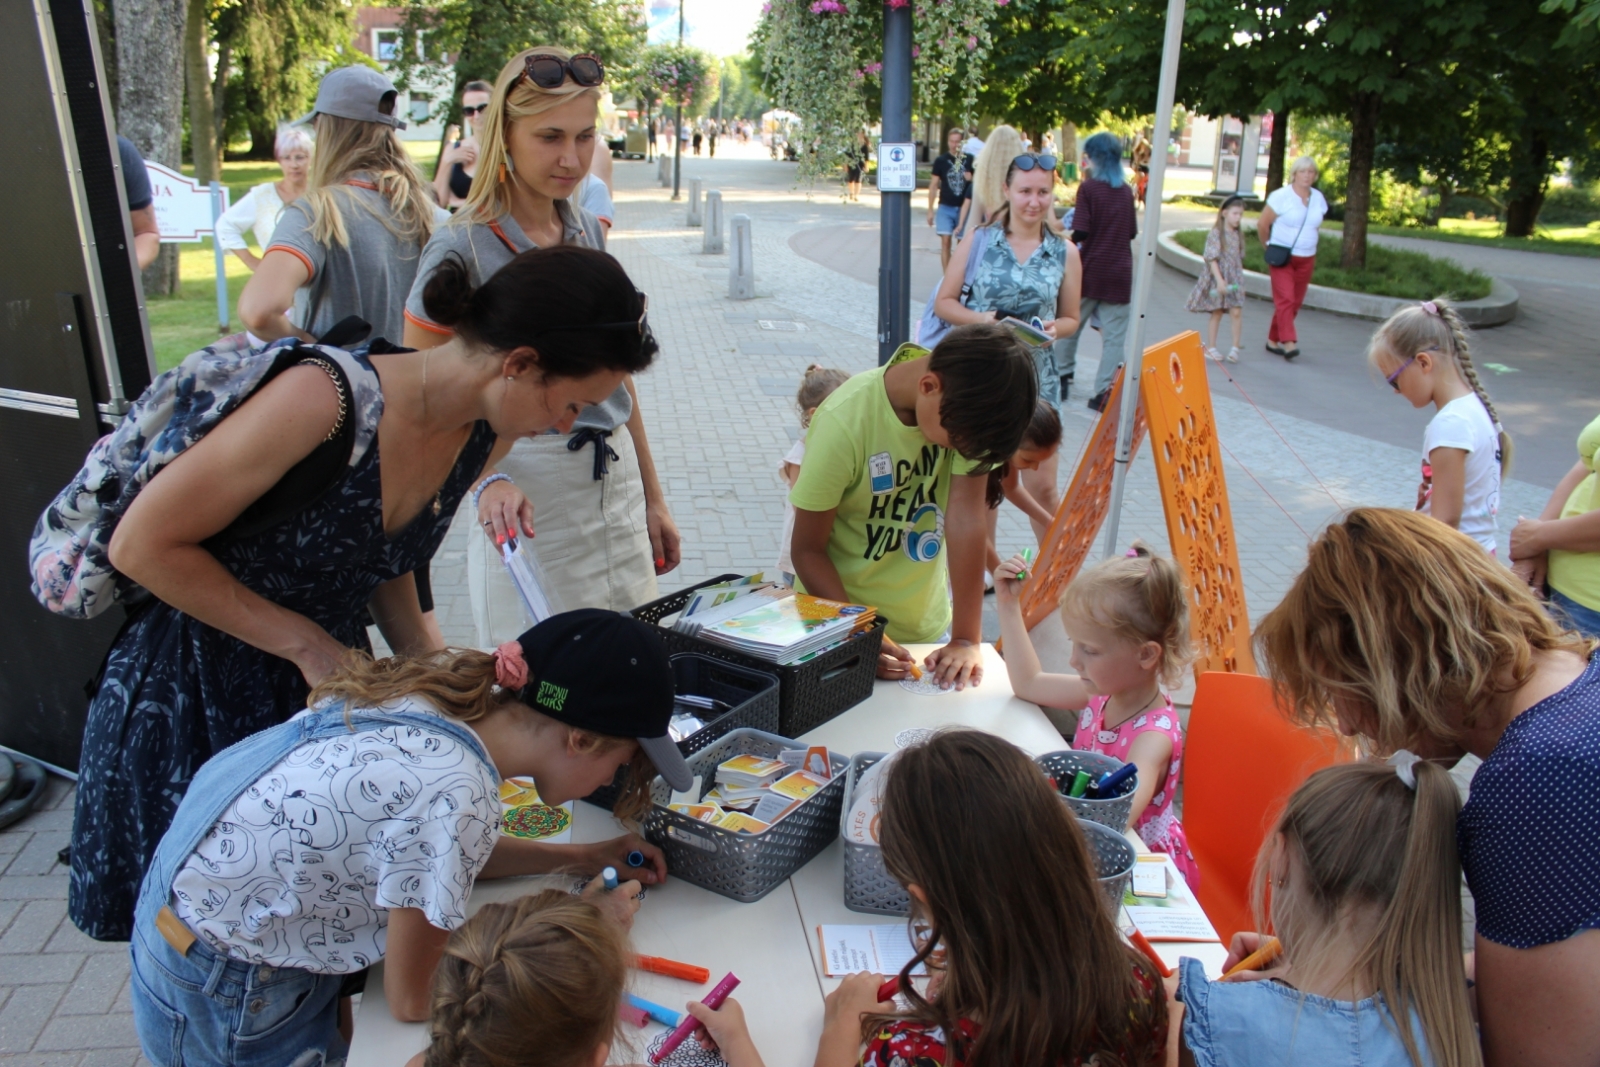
(771, 944)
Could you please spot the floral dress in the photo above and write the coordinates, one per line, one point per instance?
(1225, 248)
(1158, 824)
(1025, 289)
(174, 691)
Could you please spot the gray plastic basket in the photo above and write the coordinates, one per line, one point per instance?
(743, 867)
(1111, 812)
(868, 885)
(1113, 858)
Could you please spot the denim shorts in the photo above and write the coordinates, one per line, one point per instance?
(945, 219)
(1569, 612)
(203, 1008)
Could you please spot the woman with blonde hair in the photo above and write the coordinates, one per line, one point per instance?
(1405, 633)
(352, 242)
(604, 528)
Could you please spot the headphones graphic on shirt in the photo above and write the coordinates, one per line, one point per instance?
(923, 545)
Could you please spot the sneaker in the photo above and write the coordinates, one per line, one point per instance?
(1213, 355)
(1233, 354)
(1099, 400)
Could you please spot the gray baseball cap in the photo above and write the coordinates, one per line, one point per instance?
(359, 93)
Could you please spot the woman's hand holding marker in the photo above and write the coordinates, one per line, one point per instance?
(503, 512)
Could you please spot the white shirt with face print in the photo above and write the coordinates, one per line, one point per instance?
(302, 867)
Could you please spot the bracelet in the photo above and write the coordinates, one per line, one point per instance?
(477, 494)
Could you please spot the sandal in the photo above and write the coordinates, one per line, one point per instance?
(1233, 354)
(1213, 355)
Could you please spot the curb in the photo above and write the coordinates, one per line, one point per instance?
(1496, 309)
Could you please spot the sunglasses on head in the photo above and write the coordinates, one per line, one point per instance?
(1028, 161)
(548, 71)
(475, 109)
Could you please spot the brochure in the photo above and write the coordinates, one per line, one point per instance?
(1174, 917)
(882, 948)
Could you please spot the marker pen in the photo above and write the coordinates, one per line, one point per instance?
(672, 968)
(636, 858)
(1080, 782)
(634, 1015)
(1143, 944)
(609, 875)
(1106, 787)
(712, 1000)
(1027, 557)
(889, 990)
(664, 1016)
(1258, 960)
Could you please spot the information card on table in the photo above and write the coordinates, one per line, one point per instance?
(878, 949)
(1177, 916)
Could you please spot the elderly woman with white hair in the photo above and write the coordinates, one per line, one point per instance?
(260, 208)
(1288, 231)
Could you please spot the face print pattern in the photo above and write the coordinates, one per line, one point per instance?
(301, 869)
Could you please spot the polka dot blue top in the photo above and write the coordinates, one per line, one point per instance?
(1527, 835)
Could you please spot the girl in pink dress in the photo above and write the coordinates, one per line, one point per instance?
(1129, 624)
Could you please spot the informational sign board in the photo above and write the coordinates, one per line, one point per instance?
(897, 168)
(183, 206)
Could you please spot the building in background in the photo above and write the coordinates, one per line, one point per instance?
(427, 103)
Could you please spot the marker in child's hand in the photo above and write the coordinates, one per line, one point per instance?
(1143, 944)
(1258, 960)
(916, 672)
(889, 990)
(609, 876)
(712, 1000)
(1080, 783)
(1027, 557)
(672, 968)
(664, 1016)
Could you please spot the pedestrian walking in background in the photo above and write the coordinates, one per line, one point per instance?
(1220, 287)
(458, 163)
(950, 193)
(1288, 232)
(855, 164)
(1104, 224)
(260, 208)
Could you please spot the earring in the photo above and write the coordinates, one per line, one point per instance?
(502, 174)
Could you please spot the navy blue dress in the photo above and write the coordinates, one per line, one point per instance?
(175, 690)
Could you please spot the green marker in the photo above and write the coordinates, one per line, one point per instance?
(1080, 783)
(1027, 555)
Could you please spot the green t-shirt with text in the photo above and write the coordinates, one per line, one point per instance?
(891, 486)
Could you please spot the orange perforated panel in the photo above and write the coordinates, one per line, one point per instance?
(1194, 495)
(1083, 508)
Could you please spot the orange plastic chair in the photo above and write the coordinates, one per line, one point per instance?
(1242, 759)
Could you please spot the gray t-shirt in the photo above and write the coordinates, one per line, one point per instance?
(482, 250)
(369, 277)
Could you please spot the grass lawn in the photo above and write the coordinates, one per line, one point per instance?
(1389, 272)
(186, 322)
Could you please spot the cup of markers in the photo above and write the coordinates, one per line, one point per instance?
(1096, 787)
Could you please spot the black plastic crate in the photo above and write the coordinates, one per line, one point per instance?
(810, 693)
(753, 695)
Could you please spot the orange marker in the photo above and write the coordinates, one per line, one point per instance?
(1143, 944)
(916, 672)
(1258, 960)
(672, 968)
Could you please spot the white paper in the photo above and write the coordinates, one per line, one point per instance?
(878, 949)
(1175, 917)
(527, 576)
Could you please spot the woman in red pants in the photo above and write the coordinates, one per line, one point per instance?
(1289, 221)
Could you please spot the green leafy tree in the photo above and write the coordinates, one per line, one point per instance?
(741, 94)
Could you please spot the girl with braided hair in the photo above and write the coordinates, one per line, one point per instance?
(535, 980)
(1423, 353)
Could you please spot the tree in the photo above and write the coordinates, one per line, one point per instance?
(1043, 68)
(150, 99)
(197, 78)
(270, 56)
(742, 97)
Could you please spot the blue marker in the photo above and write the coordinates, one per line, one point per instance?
(636, 858)
(664, 1016)
(610, 877)
(1106, 787)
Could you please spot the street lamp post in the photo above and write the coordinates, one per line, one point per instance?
(894, 227)
(677, 129)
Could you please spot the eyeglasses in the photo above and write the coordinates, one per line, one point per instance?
(476, 109)
(1028, 161)
(1394, 379)
(548, 71)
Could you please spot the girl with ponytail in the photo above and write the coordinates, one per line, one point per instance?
(1365, 901)
(1128, 620)
(1423, 353)
(355, 832)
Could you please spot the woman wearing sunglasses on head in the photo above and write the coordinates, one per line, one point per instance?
(604, 531)
(1026, 269)
(458, 163)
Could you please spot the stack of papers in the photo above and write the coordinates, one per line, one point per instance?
(752, 792)
(782, 626)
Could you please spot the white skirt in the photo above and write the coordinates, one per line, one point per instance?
(591, 538)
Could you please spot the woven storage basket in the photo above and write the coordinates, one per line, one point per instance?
(1111, 812)
(868, 885)
(752, 694)
(810, 693)
(1113, 861)
(743, 867)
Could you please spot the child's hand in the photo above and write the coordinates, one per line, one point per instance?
(894, 662)
(856, 996)
(1243, 944)
(958, 664)
(620, 903)
(725, 1031)
(1007, 586)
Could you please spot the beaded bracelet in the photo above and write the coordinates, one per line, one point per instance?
(477, 494)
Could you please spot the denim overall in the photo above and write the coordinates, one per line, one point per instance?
(202, 1008)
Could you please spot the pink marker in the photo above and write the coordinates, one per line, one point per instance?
(712, 1000)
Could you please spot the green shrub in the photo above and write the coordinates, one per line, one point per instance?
(1389, 271)
(1568, 206)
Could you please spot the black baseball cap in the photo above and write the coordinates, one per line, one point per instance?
(607, 673)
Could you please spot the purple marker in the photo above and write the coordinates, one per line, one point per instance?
(712, 1000)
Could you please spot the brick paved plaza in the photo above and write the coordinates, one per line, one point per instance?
(719, 410)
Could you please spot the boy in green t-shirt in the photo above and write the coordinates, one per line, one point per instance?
(893, 483)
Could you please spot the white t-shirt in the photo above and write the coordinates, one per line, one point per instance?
(796, 453)
(1465, 424)
(301, 869)
(257, 210)
(1291, 212)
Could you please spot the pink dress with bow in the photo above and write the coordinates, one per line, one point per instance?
(1158, 825)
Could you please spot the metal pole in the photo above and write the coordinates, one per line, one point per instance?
(222, 259)
(677, 128)
(894, 228)
(1147, 259)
